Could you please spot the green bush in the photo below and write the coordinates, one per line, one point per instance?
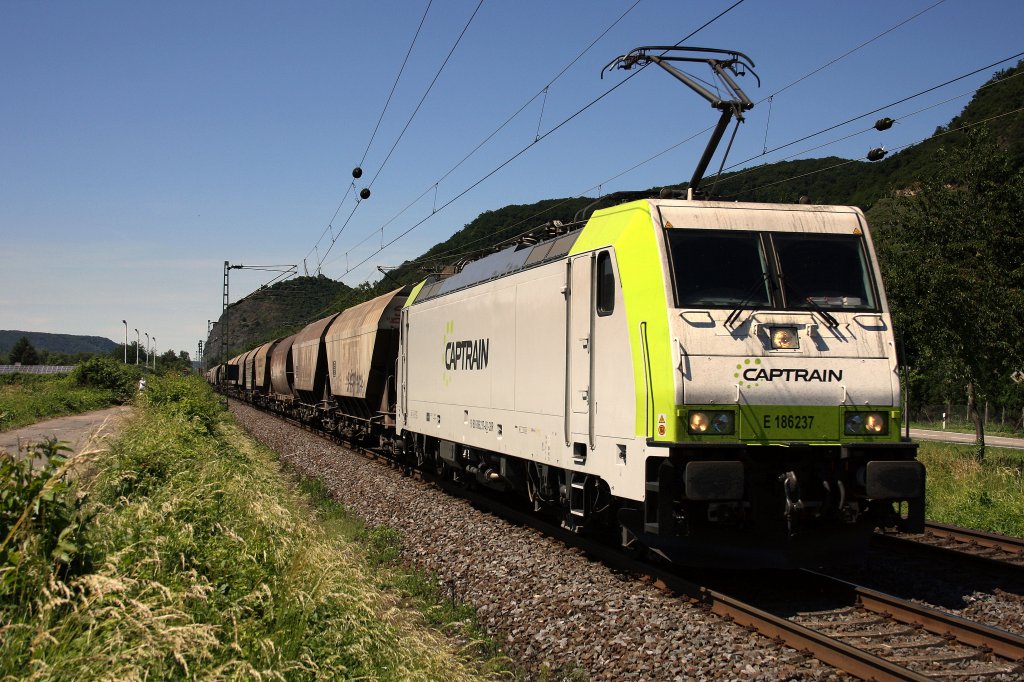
(187, 396)
(101, 372)
(43, 522)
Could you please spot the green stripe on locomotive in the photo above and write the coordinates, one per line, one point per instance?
(629, 229)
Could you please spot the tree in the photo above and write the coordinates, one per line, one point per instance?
(24, 353)
(952, 252)
(174, 362)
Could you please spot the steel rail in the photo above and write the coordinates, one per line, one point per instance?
(982, 538)
(1002, 643)
(833, 651)
(975, 547)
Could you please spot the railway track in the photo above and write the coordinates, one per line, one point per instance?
(951, 543)
(893, 638)
(863, 632)
(866, 633)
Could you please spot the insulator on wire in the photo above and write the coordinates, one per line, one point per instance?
(357, 172)
(884, 123)
(364, 193)
(877, 154)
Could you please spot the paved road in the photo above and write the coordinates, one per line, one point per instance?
(79, 431)
(968, 438)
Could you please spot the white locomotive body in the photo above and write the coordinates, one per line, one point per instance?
(703, 375)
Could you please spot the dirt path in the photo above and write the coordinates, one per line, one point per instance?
(79, 431)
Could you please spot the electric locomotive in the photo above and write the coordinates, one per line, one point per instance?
(713, 379)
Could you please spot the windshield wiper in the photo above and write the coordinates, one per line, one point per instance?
(830, 321)
(745, 302)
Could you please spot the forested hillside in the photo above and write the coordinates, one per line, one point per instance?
(278, 311)
(68, 344)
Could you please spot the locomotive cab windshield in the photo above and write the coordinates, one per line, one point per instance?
(770, 271)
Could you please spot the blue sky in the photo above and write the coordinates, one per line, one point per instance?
(143, 144)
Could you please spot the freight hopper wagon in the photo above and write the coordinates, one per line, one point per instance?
(714, 381)
(338, 373)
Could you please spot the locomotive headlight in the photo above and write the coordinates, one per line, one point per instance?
(866, 424)
(700, 422)
(784, 338)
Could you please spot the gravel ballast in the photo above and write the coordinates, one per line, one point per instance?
(546, 604)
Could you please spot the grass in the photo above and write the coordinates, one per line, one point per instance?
(203, 559)
(440, 604)
(961, 491)
(28, 398)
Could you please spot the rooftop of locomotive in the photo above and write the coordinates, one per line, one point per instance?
(510, 259)
(527, 252)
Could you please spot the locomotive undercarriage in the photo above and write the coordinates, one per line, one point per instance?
(777, 505)
(760, 506)
(580, 502)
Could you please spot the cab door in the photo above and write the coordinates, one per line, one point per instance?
(579, 342)
(402, 369)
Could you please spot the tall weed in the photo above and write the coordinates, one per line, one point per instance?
(207, 564)
(44, 522)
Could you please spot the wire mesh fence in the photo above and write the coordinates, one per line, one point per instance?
(955, 417)
(36, 369)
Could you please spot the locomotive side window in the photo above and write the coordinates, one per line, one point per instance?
(715, 269)
(828, 271)
(605, 284)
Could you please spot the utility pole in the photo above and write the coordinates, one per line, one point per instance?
(200, 358)
(285, 271)
(224, 317)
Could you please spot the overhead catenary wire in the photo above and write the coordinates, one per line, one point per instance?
(373, 135)
(543, 91)
(795, 177)
(394, 86)
(462, 251)
(718, 16)
(770, 98)
(425, 93)
(879, 109)
(535, 216)
(894, 149)
(405, 128)
(872, 127)
(852, 50)
(817, 70)
(524, 149)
